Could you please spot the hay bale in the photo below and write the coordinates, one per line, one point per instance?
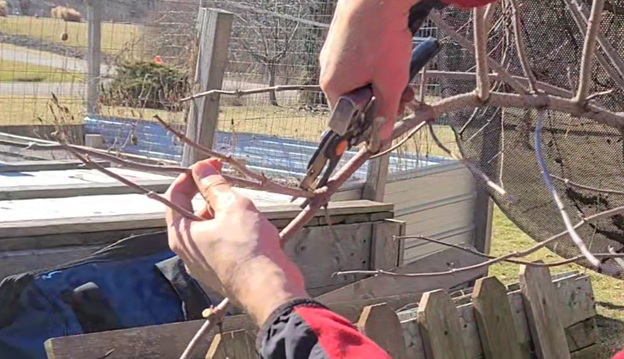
(4, 9)
(66, 13)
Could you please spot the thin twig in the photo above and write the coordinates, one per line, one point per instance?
(502, 73)
(553, 191)
(599, 94)
(238, 93)
(473, 168)
(214, 316)
(225, 158)
(467, 249)
(489, 14)
(521, 254)
(233, 180)
(589, 50)
(594, 189)
(423, 84)
(150, 194)
(521, 47)
(615, 72)
(480, 36)
(401, 142)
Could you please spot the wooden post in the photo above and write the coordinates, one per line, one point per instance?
(381, 324)
(439, 326)
(494, 320)
(214, 40)
(490, 160)
(541, 306)
(376, 178)
(94, 55)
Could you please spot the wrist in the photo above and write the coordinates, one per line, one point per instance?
(262, 284)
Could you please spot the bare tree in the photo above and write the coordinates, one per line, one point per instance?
(268, 39)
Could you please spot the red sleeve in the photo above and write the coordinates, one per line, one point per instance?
(305, 329)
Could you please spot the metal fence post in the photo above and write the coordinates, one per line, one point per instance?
(214, 40)
(94, 56)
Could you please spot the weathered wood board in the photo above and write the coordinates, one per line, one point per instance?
(574, 294)
(383, 286)
(168, 341)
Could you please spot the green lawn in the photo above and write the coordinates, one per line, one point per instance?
(115, 37)
(609, 292)
(17, 71)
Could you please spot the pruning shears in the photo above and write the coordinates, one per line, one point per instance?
(352, 118)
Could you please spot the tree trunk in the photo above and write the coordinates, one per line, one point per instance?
(272, 68)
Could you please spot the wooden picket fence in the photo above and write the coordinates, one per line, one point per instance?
(543, 316)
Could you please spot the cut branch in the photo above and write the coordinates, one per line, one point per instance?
(564, 215)
(214, 315)
(589, 49)
(480, 35)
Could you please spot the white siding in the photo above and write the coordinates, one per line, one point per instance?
(435, 202)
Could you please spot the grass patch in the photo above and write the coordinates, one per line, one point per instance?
(18, 110)
(17, 71)
(608, 292)
(115, 37)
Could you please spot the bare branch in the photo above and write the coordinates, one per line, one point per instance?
(589, 49)
(238, 93)
(233, 180)
(564, 215)
(600, 94)
(521, 47)
(502, 73)
(508, 256)
(225, 158)
(402, 142)
(489, 14)
(480, 36)
(594, 189)
(473, 168)
(578, 11)
(213, 316)
(148, 193)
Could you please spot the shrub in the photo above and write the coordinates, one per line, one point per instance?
(146, 85)
(66, 13)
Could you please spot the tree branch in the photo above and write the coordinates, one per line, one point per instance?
(589, 49)
(238, 93)
(502, 73)
(564, 215)
(594, 189)
(213, 316)
(233, 180)
(148, 193)
(521, 47)
(480, 36)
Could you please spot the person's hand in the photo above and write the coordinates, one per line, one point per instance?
(369, 42)
(236, 250)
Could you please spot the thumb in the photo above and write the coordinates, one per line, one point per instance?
(212, 186)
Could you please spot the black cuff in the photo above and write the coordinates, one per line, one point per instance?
(280, 312)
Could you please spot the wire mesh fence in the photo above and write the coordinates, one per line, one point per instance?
(502, 141)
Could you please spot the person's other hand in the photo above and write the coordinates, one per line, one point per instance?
(369, 42)
(236, 250)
